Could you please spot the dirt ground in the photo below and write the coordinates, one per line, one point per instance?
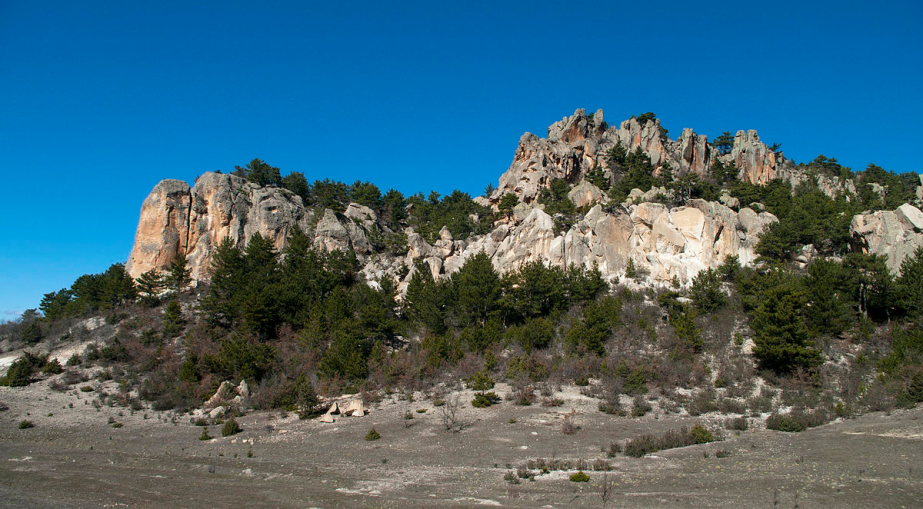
(74, 457)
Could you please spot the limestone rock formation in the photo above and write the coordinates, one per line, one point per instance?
(579, 143)
(665, 243)
(893, 233)
(178, 219)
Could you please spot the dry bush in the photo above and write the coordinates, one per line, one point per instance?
(702, 403)
(448, 414)
(569, 424)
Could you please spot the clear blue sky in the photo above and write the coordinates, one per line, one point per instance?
(101, 100)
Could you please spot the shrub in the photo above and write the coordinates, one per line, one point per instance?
(736, 423)
(52, 367)
(372, 435)
(646, 444)
(485, 399)
(480, 381)
(26, 424)
(86, 388)
(579, 477)
(205, 435)
(796, 421)
(786, 423)
(552, 402)
(74, 360)
(640, 407)
(20, 372)
(230, 428)
(701, 435)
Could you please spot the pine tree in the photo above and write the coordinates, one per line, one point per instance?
(172, 320)
(177, 278)
(781, 331)
(724, 143)
(424, 302)
(150, 284)
(222, 304)
(910, 284)
(477, 290)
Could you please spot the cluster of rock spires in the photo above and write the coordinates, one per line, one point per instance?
(664, 243)
(578, 144)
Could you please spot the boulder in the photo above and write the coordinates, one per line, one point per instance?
(895, 234)
(585, 193)
(226, 391)
(353, 408)
(230, 395)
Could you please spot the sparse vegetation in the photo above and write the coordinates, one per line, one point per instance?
(647, 444)
(579, 477)
(231, 427)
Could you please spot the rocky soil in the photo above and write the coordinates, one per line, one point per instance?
(75, 457)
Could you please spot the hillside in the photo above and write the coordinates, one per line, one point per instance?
(667, 293)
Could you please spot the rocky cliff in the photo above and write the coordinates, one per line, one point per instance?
(664, 243)
(892, 233)
(179, 219)
(578, 144)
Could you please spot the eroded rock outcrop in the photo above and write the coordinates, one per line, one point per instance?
(893, 233)
(665, 243)
(179, 219)
(579, 143)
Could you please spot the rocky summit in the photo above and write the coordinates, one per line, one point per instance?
(665, 243)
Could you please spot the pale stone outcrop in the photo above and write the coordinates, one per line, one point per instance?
(666, 243)
(349, 407)
(585, 193)
(229, 396)
(179, 219)
(894, 233)
(579, 144)
(163, 229)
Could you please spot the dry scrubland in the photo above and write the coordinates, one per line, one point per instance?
(79, 456)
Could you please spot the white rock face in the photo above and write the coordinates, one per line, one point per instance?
(578, 144)
(664, 242)
(178, 219)
(896, 234)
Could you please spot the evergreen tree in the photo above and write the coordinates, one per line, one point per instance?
(425, 300)
(150, 284)
(298, 184)
(781, 330)
(177, 278)
(222, 303)
(366, 193)
(393, 209)
(172, 320)
(910, 284)
(706, 292)
(508, 203)
(724, 143)
(477, 290)
(260, 173)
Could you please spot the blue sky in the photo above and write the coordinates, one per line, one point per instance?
(101, 100)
